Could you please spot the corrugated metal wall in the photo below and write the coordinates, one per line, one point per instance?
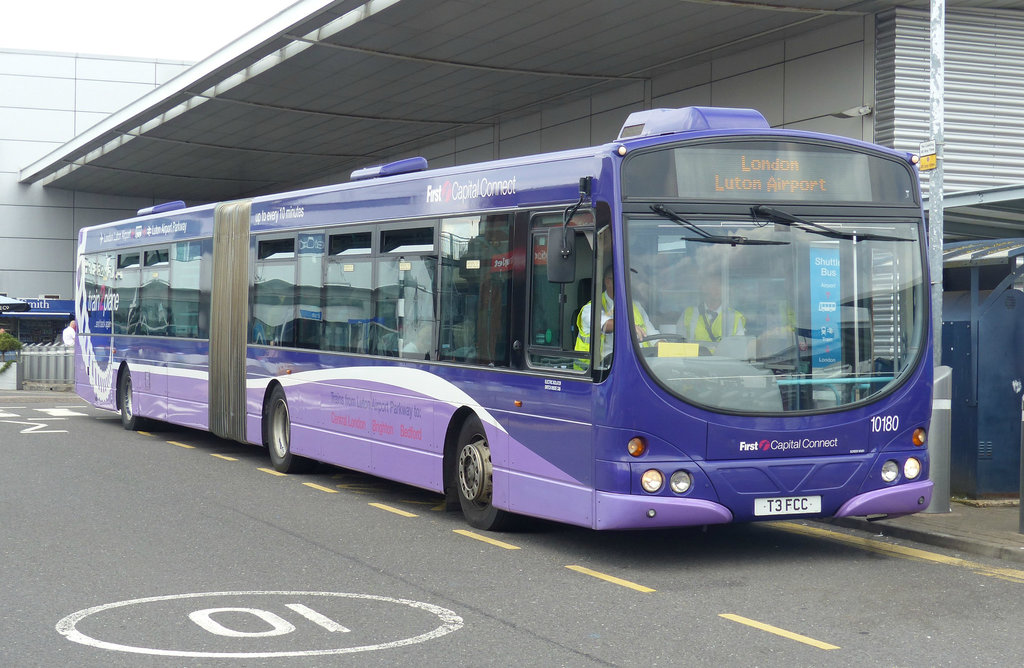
(984, 92)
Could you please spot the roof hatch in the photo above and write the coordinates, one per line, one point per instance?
(653, 122)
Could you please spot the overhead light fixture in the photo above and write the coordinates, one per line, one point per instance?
(853, 112)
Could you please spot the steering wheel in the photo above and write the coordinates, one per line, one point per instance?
(664, 336)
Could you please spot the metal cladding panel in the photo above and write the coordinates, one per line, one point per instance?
(984, 74)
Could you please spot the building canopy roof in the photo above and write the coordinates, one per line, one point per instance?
(328, 86)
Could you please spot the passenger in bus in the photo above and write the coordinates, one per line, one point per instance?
(710, 320)
(643, 324)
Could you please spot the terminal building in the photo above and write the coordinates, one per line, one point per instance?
(329, 86)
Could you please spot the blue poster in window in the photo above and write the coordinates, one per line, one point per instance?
(311, 244)
(826, 315)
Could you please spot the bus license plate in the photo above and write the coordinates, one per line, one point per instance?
(787, 505)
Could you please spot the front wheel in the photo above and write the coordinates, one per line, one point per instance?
(278, 435)
(475, 480)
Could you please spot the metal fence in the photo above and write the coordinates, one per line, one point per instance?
(50, 365)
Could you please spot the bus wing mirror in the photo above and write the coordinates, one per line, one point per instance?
(561, 255)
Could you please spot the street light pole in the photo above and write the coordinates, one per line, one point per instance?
(935, 231)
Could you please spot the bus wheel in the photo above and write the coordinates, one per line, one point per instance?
(475, 479)
(278, 430)
(124, 400)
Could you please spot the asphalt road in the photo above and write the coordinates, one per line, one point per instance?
(173, 548)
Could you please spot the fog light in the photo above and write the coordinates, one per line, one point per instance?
(636, 446)
(912, 468)
(652, 480)
(680, 482)
(919, 437)
(890, 470)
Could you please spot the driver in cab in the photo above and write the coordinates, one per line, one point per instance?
(643, 324)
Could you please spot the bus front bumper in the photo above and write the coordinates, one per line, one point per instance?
(890, 501)
(626, 511)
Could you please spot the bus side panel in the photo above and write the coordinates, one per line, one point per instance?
(553, 476)
(188, 387)
(96, 371)
(146, 363)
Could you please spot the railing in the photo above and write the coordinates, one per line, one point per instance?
(46, 366)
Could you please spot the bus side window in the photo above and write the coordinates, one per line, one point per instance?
(126, 282)
(555, 307)
(348, 292)
(273, 293)
(405, 296)
(476, 287)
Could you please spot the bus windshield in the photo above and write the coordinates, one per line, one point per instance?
(817, 319)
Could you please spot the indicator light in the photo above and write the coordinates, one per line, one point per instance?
(636, 446)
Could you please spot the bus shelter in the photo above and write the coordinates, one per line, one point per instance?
(983, 343)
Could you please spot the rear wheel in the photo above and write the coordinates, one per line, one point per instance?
(474, 480)
(278, 431)
(124, 399)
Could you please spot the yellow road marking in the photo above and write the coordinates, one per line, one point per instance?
(1009, 574)
(611, 578)
(393, 510)
(320, 487)
(144, 433)
(357, 488)
(224, 457)
(485, 539)
(271, 471)
(182, 445)
(779, 632)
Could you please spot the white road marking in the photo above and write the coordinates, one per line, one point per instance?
(449, 622)
(60, 412)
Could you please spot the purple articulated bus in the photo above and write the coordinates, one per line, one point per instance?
(456, 329)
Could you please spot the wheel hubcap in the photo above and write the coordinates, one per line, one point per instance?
(475, 471)
(279, 430)
(127, 400)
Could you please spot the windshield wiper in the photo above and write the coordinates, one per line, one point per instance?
(775, 215)
(708, 238)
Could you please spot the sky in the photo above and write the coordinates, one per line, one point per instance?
(187, 30)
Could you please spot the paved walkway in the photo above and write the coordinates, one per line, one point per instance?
(985, 529)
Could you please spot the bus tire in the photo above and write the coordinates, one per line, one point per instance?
(474, 479)
(278, 430)
(129, 420)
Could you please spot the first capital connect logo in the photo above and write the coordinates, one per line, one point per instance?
(472, 189)
(764, 445)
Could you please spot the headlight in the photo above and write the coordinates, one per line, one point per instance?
(890, 470)
(680, 482)
(912, 468)
(652, 480)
